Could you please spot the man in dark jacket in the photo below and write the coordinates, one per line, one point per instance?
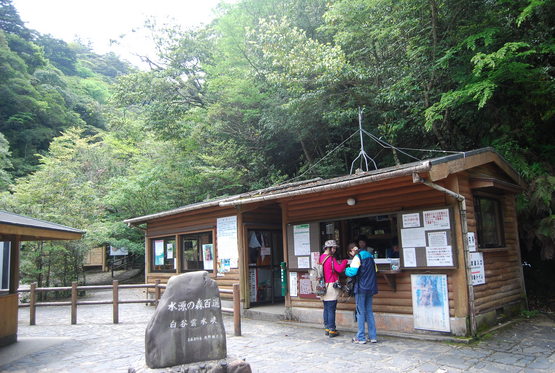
(363, 270)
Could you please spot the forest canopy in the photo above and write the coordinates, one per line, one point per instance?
(270, 91)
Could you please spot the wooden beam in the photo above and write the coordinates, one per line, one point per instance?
(36, 234)
(442, 170)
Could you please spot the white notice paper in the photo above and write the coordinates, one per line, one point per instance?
(411, 220)
(437, 239)
(314, 258)
(439, 256)
(409, 257)
(436, 219)
(304, 262)
(471, 241)
(293, 284)
(477, 270)
(301, 239)
(413, 237)
(226, 229)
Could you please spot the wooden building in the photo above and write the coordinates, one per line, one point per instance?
(15, 229)
(96, 258)
(453, 219)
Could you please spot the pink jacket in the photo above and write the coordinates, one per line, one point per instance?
(338, 266)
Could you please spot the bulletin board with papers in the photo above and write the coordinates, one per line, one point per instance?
(426, 239)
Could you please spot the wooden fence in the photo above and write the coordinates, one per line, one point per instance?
(33, 304)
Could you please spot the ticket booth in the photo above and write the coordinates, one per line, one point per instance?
(443, 231)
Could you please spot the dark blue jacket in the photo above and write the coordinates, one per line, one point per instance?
(364, 275)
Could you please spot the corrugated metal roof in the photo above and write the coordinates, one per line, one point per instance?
(24, 221)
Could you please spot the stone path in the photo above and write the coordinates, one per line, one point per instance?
(97, 345)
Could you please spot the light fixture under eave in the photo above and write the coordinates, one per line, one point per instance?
(351, 201)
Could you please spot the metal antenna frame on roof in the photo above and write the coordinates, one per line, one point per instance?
(362, 154)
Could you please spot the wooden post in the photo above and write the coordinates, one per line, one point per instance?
(32, 304)
(157, 292)
(115, 292)
(73, 303)
(236, 309)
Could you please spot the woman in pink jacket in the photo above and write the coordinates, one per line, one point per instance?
(332, 268)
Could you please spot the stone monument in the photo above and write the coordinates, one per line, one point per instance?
(187, 325)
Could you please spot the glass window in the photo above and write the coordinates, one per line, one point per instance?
(163, 254)
(4, 266)
(197, 252)
(489, 222)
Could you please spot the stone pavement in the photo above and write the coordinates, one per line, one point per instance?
(97, 345)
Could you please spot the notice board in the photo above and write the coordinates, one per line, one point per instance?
(303, 243)
(426, 238)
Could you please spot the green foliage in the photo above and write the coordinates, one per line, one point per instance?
(270, 90)
(529, 314)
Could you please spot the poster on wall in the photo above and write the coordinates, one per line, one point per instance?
(224, 266)
(159, 252)
(413, 237)
(477, 270)
(293, 284)
(253, 285)
(430, 302)
(411, 220)
(305, 286)
(436, 219)
(314, 258)
(303, 262)
(441, 256)
(208, 256)
(169, 251)
(437, 239)
(227, 240)
(301, 239)
(471, 239)
(409, 257)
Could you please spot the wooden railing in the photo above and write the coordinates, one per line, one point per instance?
(33, 304)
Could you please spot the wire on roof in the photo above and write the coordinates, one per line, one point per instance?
(364, 157)
(362, 154)
(324, 157)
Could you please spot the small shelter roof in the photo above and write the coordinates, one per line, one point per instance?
(437, 168)
(23, 228)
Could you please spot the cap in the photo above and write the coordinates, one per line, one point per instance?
(331, 243)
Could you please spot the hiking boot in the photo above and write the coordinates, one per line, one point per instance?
(327, 331)
(357, 341)
(333, 333)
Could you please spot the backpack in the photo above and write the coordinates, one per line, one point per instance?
(317, 278)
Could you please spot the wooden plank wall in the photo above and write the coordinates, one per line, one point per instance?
(268, 215)
(175, 225)
(502, 266)
(386, 301)
(385, 197)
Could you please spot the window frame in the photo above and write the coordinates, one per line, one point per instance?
(498, 219)
(165, 240)
(5, 267)
(197, 235)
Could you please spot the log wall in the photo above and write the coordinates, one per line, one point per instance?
(503, 272)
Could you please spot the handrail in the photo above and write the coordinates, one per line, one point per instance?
(33, 304)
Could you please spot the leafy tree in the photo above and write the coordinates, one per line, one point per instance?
(10, 21)
(58, 53)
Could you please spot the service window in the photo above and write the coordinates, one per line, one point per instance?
(489, 222)
(163, 254)
(197, 252)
